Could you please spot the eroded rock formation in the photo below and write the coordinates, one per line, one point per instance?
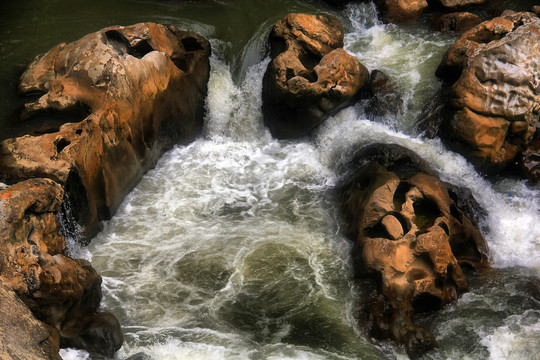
(139, 89)
(22, 336)
(59, 291)
(494, 100)
(410, 235)
(310, 76)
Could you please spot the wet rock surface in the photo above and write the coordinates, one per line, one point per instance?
(400, 11)
(411, 236)
(22, 336)
(310, 76)
(59, 291)
(138, 90)
(384, 98)
(457, 21)
(494, 100)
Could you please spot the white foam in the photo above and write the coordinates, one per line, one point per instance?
(517, 339)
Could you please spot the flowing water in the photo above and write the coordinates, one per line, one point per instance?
(231, 248)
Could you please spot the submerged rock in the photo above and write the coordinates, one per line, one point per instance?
(494, 99)
(139, 90)
(59, 291)
(383, 96)
(310, 76)
(410, 235)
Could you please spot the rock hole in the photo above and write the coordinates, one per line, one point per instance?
(399, 195)
(142, 48)
(426, 211)
(426, 302)
(289, 74)
(443, 226)
(309, 61)
(78, 132)
(378, 231)
(454, 211)
(61, 144)
(192, 44)
(485, 36)
(75, 204)
(49, 121)
(117, 41)
(122, 46)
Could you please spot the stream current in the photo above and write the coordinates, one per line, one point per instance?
(231, 248)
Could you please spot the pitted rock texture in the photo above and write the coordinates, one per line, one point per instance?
(410, 235)
(310, 76)
(22, 336)
(59, 291)
(494, 100)
(139, 90)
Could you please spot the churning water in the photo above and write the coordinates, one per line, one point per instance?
(231, 248)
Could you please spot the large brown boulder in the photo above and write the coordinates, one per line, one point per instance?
(138, 90)
(456, 21)
(400, 11)
(59, 291)
(310, 76)
(494, 100)
(411, 236)
(22, 336)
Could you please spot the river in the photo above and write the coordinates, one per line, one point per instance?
(231, 247)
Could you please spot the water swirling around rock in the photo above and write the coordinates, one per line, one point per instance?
(231, 248)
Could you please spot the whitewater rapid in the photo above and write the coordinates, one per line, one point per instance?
(231, 248)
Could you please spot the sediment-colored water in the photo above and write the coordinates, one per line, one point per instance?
(231, 248)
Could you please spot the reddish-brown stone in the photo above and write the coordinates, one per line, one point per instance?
(457, 21)
(411, 236)
(22, 336)
(400, 11)
(310, 76)
(57, 289)
(494, 102)
(138, 89)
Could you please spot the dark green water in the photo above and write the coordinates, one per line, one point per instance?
(230, 248)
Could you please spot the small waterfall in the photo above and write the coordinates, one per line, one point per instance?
(231, 248)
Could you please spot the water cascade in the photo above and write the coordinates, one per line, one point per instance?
(232, 247)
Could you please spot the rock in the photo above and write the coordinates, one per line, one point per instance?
(457, 21)
(459, 3)
(529, 160)
(536, 9)
(98, 333)
(138, 90)
(494, 99)
(383, 96)
(22, 336)
(400, 11)
(59, 291)
(310, 76)
(410, 235)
